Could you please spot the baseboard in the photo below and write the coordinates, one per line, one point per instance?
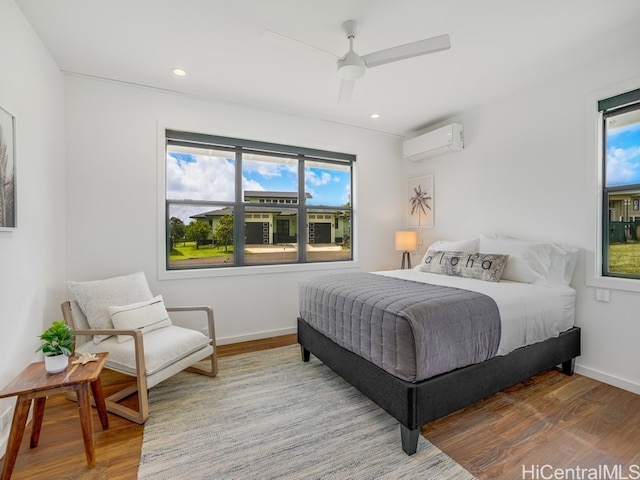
(255, 336)
(608, 379)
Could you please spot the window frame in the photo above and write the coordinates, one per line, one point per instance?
(594, 258)
(167, 136)
(612, 107)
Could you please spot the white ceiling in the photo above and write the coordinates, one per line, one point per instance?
(498, 47)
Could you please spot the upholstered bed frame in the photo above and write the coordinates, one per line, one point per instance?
(415, 404)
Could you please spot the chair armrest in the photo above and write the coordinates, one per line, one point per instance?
(138, 346)
(210, 320)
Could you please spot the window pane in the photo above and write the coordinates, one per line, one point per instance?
(329, 235)
(624, 228)
(622, 137)
(270, 180)
(327, 184)
(200, 174)
(200, 236)
(271, 235)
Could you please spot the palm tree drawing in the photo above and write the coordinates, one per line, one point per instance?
(419, 202)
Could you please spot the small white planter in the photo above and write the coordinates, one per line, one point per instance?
(55, 363)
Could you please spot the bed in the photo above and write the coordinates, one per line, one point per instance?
(422, 345)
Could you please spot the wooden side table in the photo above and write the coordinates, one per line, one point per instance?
(34, 383)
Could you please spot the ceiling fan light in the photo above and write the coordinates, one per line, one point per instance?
(350, 72)
(351, 66)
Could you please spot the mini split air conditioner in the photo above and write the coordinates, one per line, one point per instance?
(442, 140)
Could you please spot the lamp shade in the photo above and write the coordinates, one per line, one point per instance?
(406, 241)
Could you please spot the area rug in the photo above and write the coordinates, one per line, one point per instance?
(268, 415)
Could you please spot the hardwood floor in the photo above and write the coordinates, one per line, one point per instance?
(551, 420)
(564, 422)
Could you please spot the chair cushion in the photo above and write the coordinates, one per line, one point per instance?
(146, 316)
(162, 348)
(95, 296)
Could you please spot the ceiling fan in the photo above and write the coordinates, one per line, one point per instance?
(352, 66)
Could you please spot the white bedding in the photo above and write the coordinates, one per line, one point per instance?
(529, 313)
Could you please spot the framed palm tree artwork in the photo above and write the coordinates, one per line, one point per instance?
(420, 201)
(7, 171)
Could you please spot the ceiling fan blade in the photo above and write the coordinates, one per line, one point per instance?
(292, 43)
(346, 91)
(402, 52)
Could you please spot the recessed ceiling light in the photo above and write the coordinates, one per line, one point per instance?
(179, 72)
(375, 115)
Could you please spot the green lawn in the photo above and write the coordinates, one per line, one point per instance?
(624, 258)
(187, 250)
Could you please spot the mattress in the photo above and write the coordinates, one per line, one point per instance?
(528, 313)
(411, 330)
(418, 325)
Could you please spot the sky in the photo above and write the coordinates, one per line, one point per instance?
(211, 178)
(623, 155)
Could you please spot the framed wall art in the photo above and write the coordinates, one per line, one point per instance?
(7, 171)
(420, 202)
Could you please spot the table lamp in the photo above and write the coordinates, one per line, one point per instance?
(406, 241)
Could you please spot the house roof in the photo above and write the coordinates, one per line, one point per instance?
(229, 211)
(268, 194)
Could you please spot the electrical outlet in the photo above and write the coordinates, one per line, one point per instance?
(6, 418)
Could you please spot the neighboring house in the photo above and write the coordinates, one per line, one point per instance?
(624, 207)
(278, 225)
(624, 217)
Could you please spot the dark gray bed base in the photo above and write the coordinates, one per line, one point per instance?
(415, 404)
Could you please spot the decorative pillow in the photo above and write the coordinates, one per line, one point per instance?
(467, 245)
(481, 266)
(95, 296)
(533, 262)
(146, 316)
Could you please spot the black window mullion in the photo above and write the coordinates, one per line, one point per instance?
(239, 214)
(303, 222)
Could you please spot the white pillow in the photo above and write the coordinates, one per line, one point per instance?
(467, 245)
(533, 262)
(95, 296)
(146, 316)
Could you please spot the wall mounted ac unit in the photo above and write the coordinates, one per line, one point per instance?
(442, 140)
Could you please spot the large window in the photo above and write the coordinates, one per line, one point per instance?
(233, 202)
(621, 185)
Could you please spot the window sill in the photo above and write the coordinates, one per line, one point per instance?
(614, 283)
(254, 270)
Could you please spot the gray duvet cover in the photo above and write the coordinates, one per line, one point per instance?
(412, 330)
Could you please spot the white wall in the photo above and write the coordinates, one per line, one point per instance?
(32, 257)
(524, 173)
(114, 212)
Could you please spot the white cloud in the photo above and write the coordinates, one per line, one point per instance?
(623, 165)
(325, 177)
(205, 178)
(267, 169)
(251, 185)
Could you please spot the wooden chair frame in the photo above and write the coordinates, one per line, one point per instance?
(142, 385)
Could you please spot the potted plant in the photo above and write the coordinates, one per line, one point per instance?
(57, 347)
